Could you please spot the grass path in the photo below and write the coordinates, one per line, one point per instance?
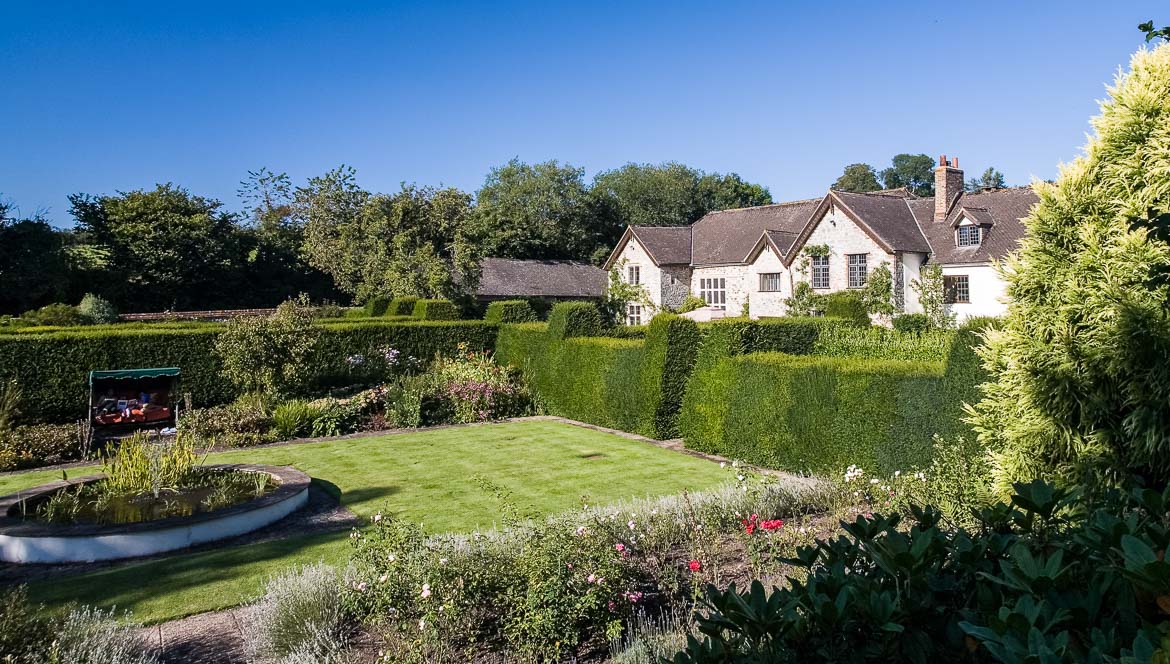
(426, 477)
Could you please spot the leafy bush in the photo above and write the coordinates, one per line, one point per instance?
(376, 306)
(1053, 576)
(293, 419)
(39, 445)
(690, 303)
(9, 405)
(574, 319)
(300, 610)
(31, 635)
(436, 310)
(271, 354)
(847, 305)
(62, 315)
(627, 331)
(401, 306)
(912, 323)
(96, 310)
(510, 311)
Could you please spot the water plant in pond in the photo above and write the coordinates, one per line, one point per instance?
(148, 479)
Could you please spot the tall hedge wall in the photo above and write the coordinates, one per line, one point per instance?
(819, 413)
(628, 384)
(816, 414)
(52, 369)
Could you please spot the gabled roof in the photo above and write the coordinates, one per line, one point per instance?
(887, 218)
(506, 277)
(667, 245)
(728, 236)
(1000, 212)
(779, 241)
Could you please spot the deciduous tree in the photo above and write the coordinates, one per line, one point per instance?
(913, 171)
(858, 178)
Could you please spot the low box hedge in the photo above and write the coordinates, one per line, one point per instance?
(436, 310)
(52, 369)
(510, 311)
(575, 319)
(376, 306)
(817, 414)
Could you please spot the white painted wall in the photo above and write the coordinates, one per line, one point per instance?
(768, 303)
(651, 276)
(988, 291)
(737, 284)
(912, 266)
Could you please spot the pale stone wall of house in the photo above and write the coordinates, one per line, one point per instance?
(988, 291)
(650, 274)
(843, 237)
(737, 284)
(768, 303)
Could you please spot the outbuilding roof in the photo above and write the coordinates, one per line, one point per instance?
(506, 277)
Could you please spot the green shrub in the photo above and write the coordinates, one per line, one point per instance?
(691, 303)
(627, 331)
(39, 445)
(1054, 576)
(376, 306)
(847, 305)
(914, 323)
(510, 311)
(293, 419)
(574, 319)
(436, 310)
(402, 306)
(62, 315)
(271, 354)
(95, 310)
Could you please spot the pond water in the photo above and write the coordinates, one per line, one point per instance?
(93, 503)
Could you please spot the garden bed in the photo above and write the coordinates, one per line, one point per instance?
(25, 540)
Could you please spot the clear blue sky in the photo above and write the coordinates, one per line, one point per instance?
(97, 98)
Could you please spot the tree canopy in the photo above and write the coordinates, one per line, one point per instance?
(913, 171)
(991, 179)
(858, 178)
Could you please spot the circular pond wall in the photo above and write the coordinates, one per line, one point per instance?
(28, 541)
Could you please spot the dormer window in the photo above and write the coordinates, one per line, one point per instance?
(969, 235)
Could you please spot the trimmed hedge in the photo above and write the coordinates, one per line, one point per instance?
(52, 369)
(880, 343)
(510, 311)
(575, 319)
(816, 414)
(820, 414)
(794, 335)
(626, 384)
(436, 310)
(376, 306)
(846, 305)
(401, 306)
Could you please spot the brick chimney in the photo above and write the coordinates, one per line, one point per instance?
(948, 183)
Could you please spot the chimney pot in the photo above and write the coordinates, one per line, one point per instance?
(942, 160)
(954, 162)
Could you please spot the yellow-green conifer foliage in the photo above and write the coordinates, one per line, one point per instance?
(1081, 367)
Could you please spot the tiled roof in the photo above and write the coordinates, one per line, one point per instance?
(729, 235)
(505, 277)
(667, 245)
(888, 217)
(1000, 212)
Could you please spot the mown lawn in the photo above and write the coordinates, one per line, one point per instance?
(428, 477)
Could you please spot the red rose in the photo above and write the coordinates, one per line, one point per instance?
(694, 565)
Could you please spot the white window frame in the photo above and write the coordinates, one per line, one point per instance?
(776, 279)
(952, 289)
(633, 314)
(713, 290)
(959, 239)
(818, 270)
(858, 270)
(634, 275)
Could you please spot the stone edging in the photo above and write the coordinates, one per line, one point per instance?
(292, 482)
